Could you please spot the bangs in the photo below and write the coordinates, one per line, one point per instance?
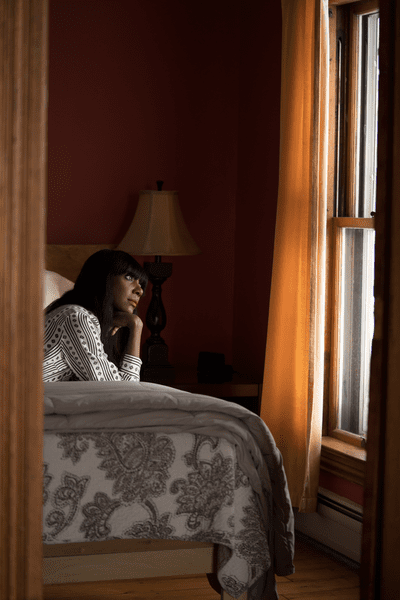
(124, 264)
(137, 273)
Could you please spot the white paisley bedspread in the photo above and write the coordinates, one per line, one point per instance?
(139, 460)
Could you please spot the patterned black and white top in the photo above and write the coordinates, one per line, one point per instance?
(73, 349)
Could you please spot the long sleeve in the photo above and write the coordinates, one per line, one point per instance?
(84, 353)
(73, 347)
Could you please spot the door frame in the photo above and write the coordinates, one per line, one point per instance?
(23, 189)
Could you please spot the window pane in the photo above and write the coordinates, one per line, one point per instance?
(356, 323)
(368, 80)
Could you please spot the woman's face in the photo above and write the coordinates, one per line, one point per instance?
(127, 293)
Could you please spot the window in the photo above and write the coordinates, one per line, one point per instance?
(354, 76)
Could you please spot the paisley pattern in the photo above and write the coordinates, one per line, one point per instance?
(154, 528)
(100, 485)
(97, 513)
(253, 546)
(46, 482)
(233, 586)
(137, 463)
(208, 486)
(66, 500)
(74, 446)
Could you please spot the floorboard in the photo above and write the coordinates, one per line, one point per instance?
(318, 576)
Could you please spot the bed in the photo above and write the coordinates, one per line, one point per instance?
(144, 480)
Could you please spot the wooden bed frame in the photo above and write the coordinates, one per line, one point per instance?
(109, 569)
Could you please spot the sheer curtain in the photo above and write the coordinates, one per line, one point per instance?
(293, 375)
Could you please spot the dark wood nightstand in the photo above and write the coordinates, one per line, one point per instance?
(241, 390)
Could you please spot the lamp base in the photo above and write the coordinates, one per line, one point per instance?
(156, 368)
(162, 374)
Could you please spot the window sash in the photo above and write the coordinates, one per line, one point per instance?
(344, 192)
(341, 332)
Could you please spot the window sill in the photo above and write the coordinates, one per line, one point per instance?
(343, 460)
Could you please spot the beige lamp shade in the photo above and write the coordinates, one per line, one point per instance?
(158, 227)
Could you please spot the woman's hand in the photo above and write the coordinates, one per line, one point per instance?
(125, 319)
(135, 326)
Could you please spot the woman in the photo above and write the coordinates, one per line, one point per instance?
(93, 332)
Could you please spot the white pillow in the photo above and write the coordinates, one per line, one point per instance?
(54, 286)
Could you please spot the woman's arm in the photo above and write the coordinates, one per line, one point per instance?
(135, 326)
(85, 355)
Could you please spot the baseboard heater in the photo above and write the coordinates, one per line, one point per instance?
(337, 524)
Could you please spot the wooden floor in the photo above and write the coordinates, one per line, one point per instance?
(318, 577)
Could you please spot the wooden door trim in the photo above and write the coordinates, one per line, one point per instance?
(23, 175)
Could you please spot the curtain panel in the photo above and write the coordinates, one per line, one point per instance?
(293, 377)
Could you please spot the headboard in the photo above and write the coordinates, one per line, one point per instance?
(67, 260)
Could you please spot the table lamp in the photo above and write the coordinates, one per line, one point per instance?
(157, 229)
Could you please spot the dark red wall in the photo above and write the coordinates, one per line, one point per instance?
(258, 174)
(187, 93)
(141, 91)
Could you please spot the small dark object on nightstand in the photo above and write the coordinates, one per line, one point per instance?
(211, 368)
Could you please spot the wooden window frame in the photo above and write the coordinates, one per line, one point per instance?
(343, 453)
(333, 429)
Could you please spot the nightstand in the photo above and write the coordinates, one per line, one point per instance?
(241, 390)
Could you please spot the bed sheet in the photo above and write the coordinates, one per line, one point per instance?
(102, 485)
(137, 460)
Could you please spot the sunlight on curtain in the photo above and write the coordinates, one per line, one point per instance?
(293, 376)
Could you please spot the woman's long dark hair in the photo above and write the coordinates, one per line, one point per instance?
(94, 291)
